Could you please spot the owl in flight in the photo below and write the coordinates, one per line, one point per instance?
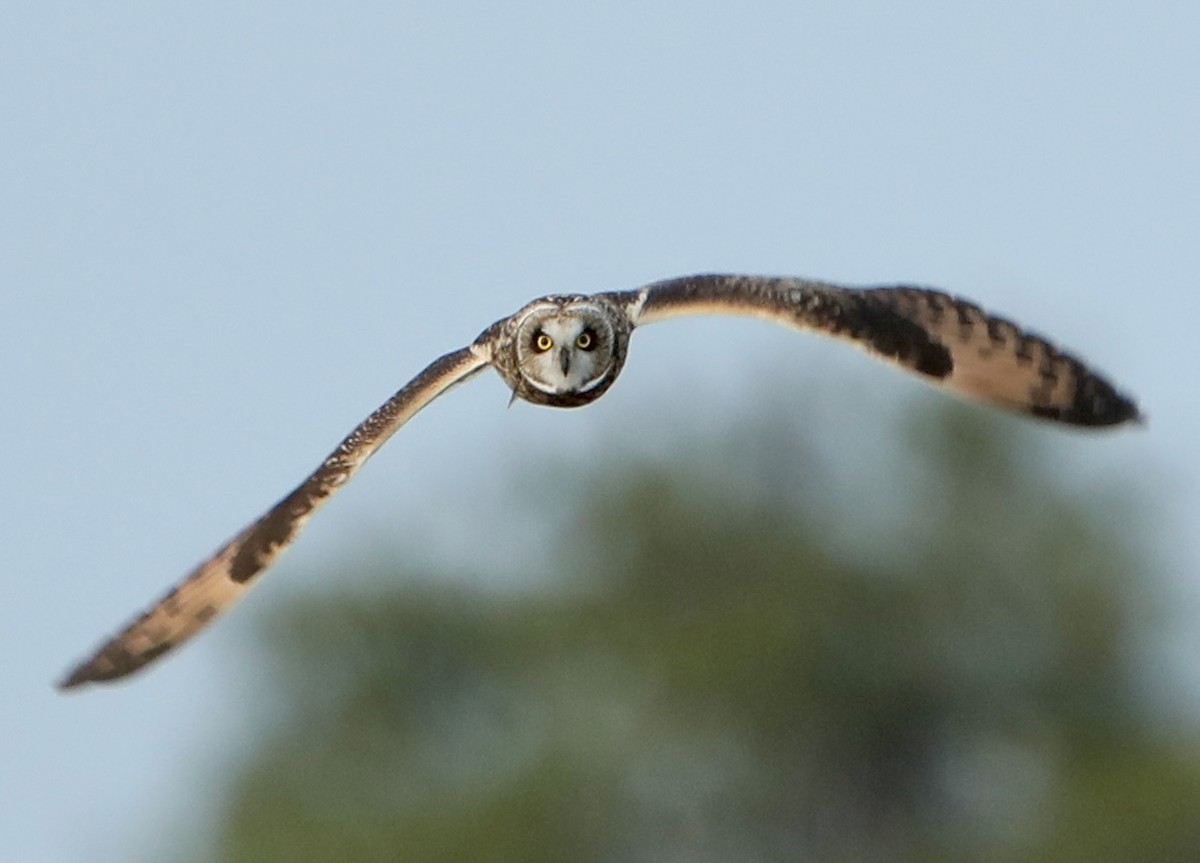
(567, 350)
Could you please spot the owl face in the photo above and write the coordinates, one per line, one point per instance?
(567, 350)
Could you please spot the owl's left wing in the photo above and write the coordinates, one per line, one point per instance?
(946, 340)
(221, 580)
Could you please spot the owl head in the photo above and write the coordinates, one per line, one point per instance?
(566, 350)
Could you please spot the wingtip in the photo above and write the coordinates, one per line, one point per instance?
(97, 669)
(1098, 403)
(112, 662)
(1129, 412)
(78, 676)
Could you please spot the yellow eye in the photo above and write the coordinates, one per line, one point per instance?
(543, 342)
(584, 342)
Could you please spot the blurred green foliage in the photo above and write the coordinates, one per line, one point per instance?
(935, 662)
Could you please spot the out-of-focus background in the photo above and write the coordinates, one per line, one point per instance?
(767, 599)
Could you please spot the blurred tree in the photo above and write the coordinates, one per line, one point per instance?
(935, 663)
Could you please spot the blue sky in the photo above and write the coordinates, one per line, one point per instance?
(229, 232)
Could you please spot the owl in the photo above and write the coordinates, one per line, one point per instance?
(566, 350)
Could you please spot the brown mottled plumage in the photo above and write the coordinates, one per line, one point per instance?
(567, 350)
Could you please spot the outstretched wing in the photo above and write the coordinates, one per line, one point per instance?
(947, 340)
(221, 580)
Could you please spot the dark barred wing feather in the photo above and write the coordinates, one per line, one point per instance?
(996, 361)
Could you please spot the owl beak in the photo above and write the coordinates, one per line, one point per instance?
(564, 360)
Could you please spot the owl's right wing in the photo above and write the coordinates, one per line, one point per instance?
(220, 581)
(946, 340)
